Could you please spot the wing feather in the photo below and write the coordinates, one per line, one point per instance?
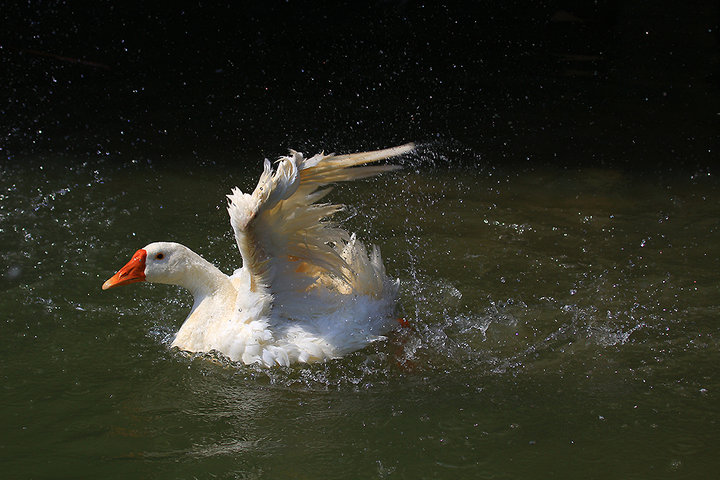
(282, 231)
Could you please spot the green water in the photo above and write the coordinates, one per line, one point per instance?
(564, 324)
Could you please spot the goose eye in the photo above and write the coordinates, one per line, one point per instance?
(160, 256)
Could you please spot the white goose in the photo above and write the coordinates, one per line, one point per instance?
(307, 290)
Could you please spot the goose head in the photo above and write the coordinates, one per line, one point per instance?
(159, 262)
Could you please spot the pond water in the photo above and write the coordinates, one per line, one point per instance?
(562, 320)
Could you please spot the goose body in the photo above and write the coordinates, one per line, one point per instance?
(307, 290)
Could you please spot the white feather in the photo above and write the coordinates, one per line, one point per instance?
(307, 291)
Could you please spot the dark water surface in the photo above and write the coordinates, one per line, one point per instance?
(563, 321)
(557, 236)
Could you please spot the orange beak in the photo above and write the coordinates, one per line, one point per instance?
(133, 271)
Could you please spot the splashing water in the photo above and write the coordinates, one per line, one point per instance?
(546, 310)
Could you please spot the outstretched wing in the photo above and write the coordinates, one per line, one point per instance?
(281, 229)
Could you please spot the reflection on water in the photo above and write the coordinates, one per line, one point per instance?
(559, 320)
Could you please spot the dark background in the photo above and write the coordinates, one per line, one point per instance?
(631, 84)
